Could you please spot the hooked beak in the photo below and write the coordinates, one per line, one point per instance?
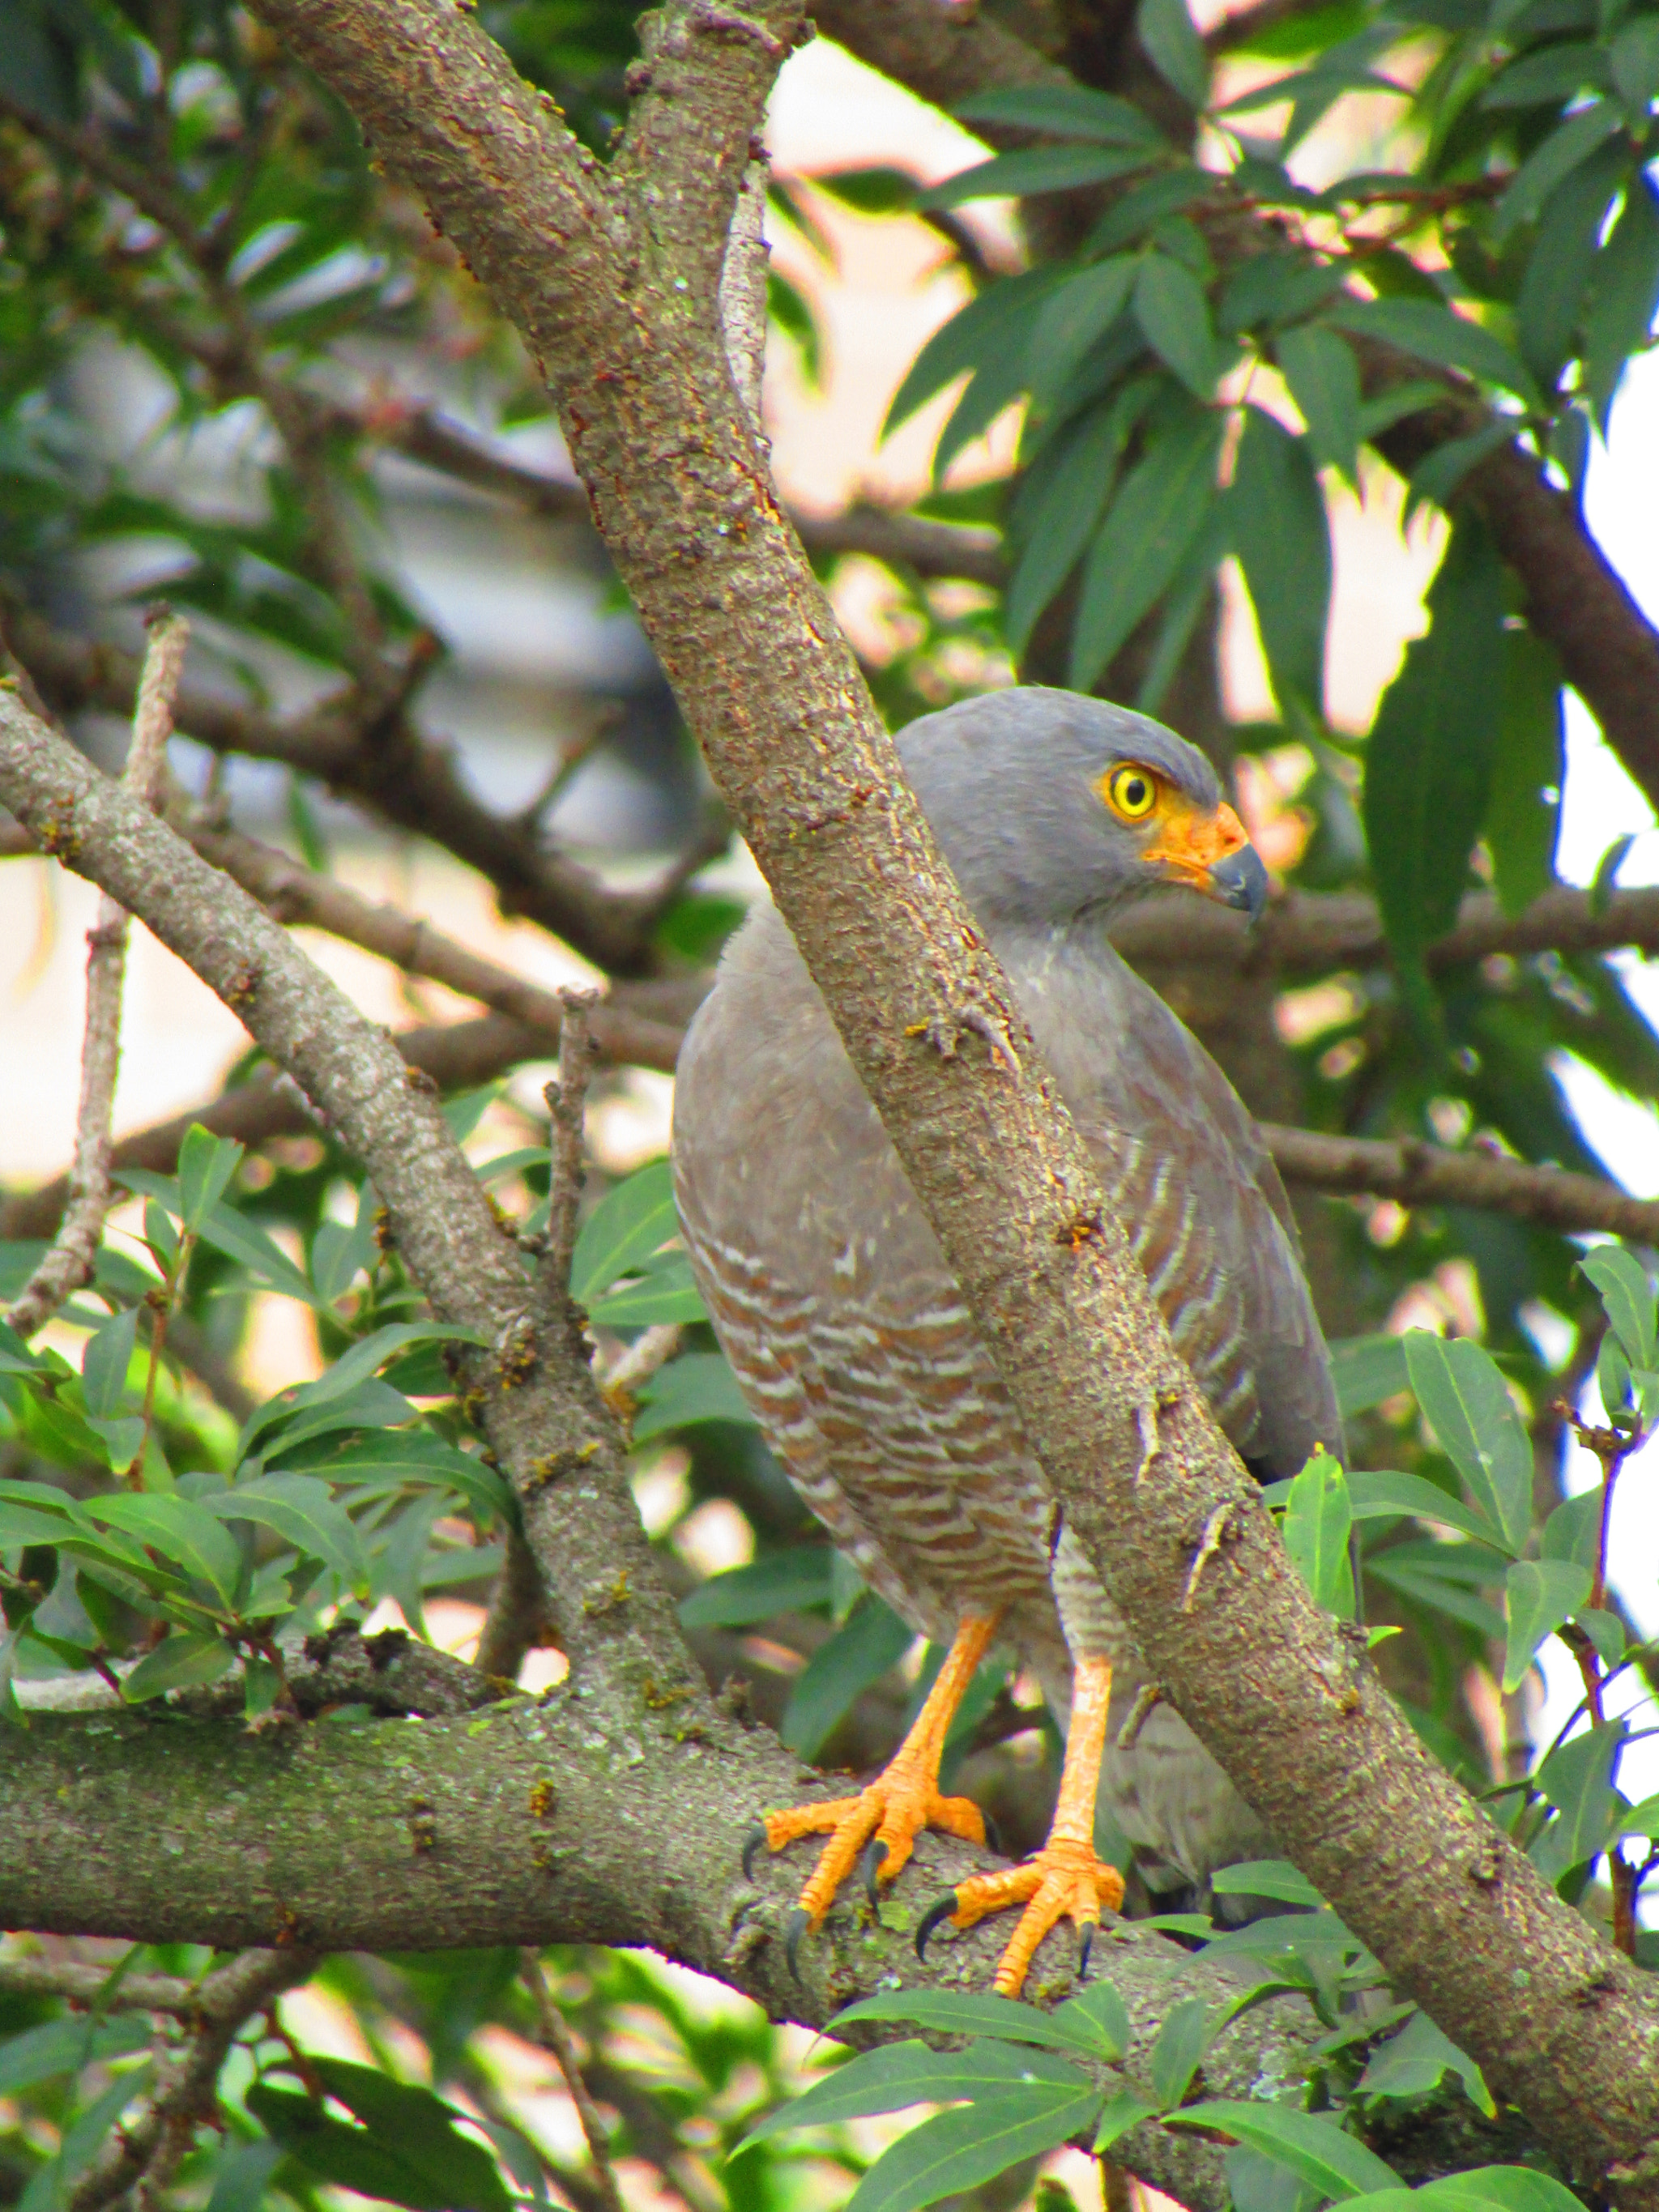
(1211, 854)
(1241, 881)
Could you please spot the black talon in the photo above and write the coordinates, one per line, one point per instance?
(793, 1929)
(930, 1920)
(992, 1836)
(875, 1853)
(751, 1843)
(1083, 1948)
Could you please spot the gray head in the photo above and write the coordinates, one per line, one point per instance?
(1049, 806)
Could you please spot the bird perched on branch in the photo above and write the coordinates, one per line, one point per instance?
(850, 1339)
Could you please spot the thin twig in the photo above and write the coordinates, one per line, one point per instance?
(144, 2153)
(554, 2038)
(68, 1261)
(566, 1101)
(84, 1985)
(622, 1381)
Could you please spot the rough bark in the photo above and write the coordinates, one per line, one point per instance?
(612, 279)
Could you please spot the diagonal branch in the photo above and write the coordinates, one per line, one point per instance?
(529, 1383)
(361, 753)
(1300, 1720)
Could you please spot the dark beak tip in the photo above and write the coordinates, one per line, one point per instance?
(1240, 881)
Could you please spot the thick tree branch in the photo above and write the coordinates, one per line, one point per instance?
(563, 1818)
(1300, 1719)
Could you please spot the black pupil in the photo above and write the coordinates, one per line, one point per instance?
(1134, 792)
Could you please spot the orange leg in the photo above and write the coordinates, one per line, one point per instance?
(1065, 1879)
(902, 1800)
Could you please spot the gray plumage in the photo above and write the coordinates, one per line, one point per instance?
(832, 1299)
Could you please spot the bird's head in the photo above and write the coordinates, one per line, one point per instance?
(1049, 806)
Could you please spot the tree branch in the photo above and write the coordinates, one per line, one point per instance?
(68, 1261)
(1300, 1719)
(145, 2152)
(1418, 1173)
(538, 1401)
(562, 1818)
(349, 745)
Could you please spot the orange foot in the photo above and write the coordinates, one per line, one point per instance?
(1064, 1880)
(883, 1820)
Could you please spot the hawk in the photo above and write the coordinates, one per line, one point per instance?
(849, 1338)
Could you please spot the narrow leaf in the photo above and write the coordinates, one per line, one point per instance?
(1539, 1595)
(1182, 2042)
(1323, 376)
(1158, 512)
(1577, 1780)
(184, 1661)
(901, 2074)
(1276, 513)
(1569, 143)
(1465, 1399)
(699, 1386)
(1627, 1297)
(782, 1583)
(1436, 334)
(952, 2013)
(1314, 2149)
(839, 1672)
(1064, 111)
(1174, 49)
(959, 2150)
(1172, 310)
(1037, 169)
(631, 1222)
(1523, 811)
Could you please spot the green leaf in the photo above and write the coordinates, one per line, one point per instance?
(1366, 1369)
(187, 1534)
(901, 2074)
(64, 2046)
(1098, 2020)
(423, 2130)
(1436, 334)
(1624, 296)
(1064, 111)
(1143, 207)
(1412, 2063)
(839, 1672)
(1274, 289)
(105, 1362)
(957, 2150)
(1524, 811)
(358, 2159)
(1549, 76)
(1465, 1400)
(1074, 320)
(1172, 311)
(951, 2013)
(1377, 1492)
(631, 1222)
(1182, 2042)
(242, 2173)
(1642, 1820)
(1633, 64)
(1036, 169)
(1313, 2147)
(1159, 510)
(665, 1293)
(1056, 513)
(1577, 1780)
(1437, 476)
(253, 1248)
(1276, 514)
(1318, 1518)
(1323, 377)
(184, 1661)
(1560, 265)
(1627, 1299)
(785, 1583)
(1485, 2189)
(1567, 145)
(1428, 766)
(1539, 1595)
(1274, 1878)
(1174, 49)
(206, 1164)
(1120, 2112)
(997, 320)
(297, 1411)
(699, 1386)
(303, 1513)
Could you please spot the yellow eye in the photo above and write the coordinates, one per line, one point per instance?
(1132, 792)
